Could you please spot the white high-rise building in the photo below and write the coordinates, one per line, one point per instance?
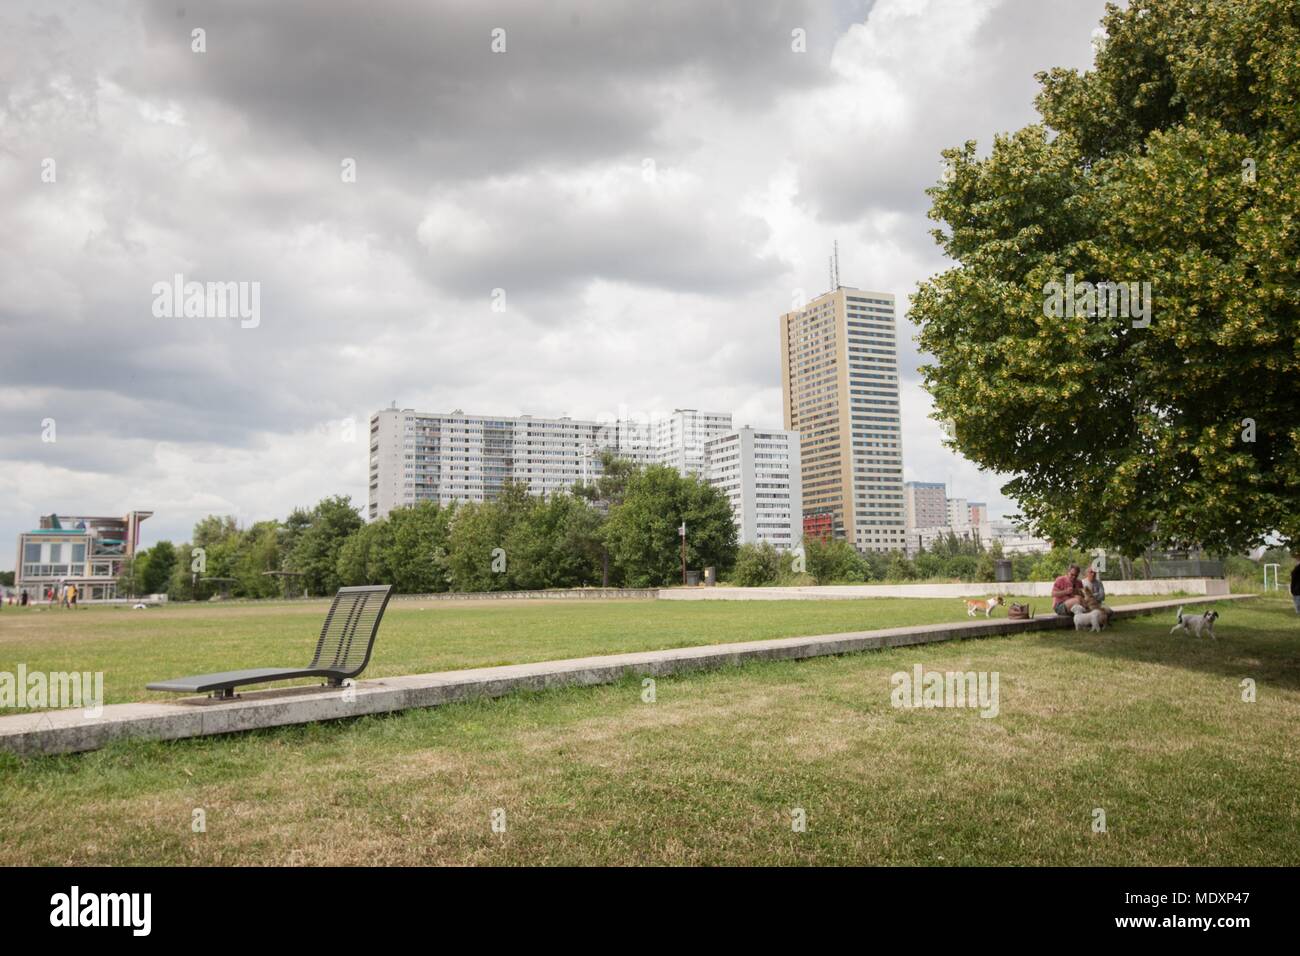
(679, 438)
(758, 470)
(419, 456)
(958, 513)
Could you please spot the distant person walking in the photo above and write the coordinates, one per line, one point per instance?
(70, 596)
(1295, 581)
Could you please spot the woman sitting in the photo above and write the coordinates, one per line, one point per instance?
(1094, 593)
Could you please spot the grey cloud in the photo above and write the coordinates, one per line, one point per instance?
(419, 84)
(873, 168)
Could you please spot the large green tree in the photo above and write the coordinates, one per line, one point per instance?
(363, 556)
(413, 554)
(153, 574)
(642, 535)
(478, 559)
(258, 551)
(556, 545)
(316, 549)
(1172, 162)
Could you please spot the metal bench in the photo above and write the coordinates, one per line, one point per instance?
(342, 651)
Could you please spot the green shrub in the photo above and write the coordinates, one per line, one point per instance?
(836, 561)
(758, 565)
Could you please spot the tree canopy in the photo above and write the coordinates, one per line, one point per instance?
(1172, 162)
(642, 531)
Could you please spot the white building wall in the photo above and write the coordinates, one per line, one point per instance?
(958, 513)
(679, 438)
(456, 457)
(759, 471)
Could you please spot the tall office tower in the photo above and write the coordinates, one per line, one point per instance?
(839, 383)
(758, 471)
(925, 504)
(958, 513)
(418, 456)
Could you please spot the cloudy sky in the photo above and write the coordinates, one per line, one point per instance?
(651, 184)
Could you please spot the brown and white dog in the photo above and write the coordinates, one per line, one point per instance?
(1090, 604)
(974, 606)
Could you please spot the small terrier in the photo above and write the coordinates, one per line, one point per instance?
(974, 606)
(1083, 618)
(1196, 624)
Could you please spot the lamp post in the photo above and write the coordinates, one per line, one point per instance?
(682, 531)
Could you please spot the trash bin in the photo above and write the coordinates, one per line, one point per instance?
(1001, 570)
(692, 578)
(710, 576)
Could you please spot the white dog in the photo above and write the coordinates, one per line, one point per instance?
(1087, 620)
(1196, 624)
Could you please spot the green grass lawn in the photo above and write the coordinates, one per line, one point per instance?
(132, 648)
(1150, 728)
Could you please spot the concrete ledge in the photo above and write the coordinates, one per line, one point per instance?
(556, 594)
(67, 731)
(1041, 589)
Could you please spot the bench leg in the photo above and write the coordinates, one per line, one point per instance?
(226, 693)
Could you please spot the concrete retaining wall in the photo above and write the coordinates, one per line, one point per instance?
(1213, 587)
(64, 731)
(558, 594)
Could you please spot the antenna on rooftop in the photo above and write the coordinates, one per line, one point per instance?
(835, 266)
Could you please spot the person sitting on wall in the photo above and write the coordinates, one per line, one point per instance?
(1094, 592)
(1067, 591)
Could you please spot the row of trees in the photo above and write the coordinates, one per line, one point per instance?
(521, 542)
(837, 562)
(951, 559)
(621, 530)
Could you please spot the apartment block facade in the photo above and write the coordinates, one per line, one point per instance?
(455, 457)
(758, 470)
(839, 383)
(925, 504)
(679, 438)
